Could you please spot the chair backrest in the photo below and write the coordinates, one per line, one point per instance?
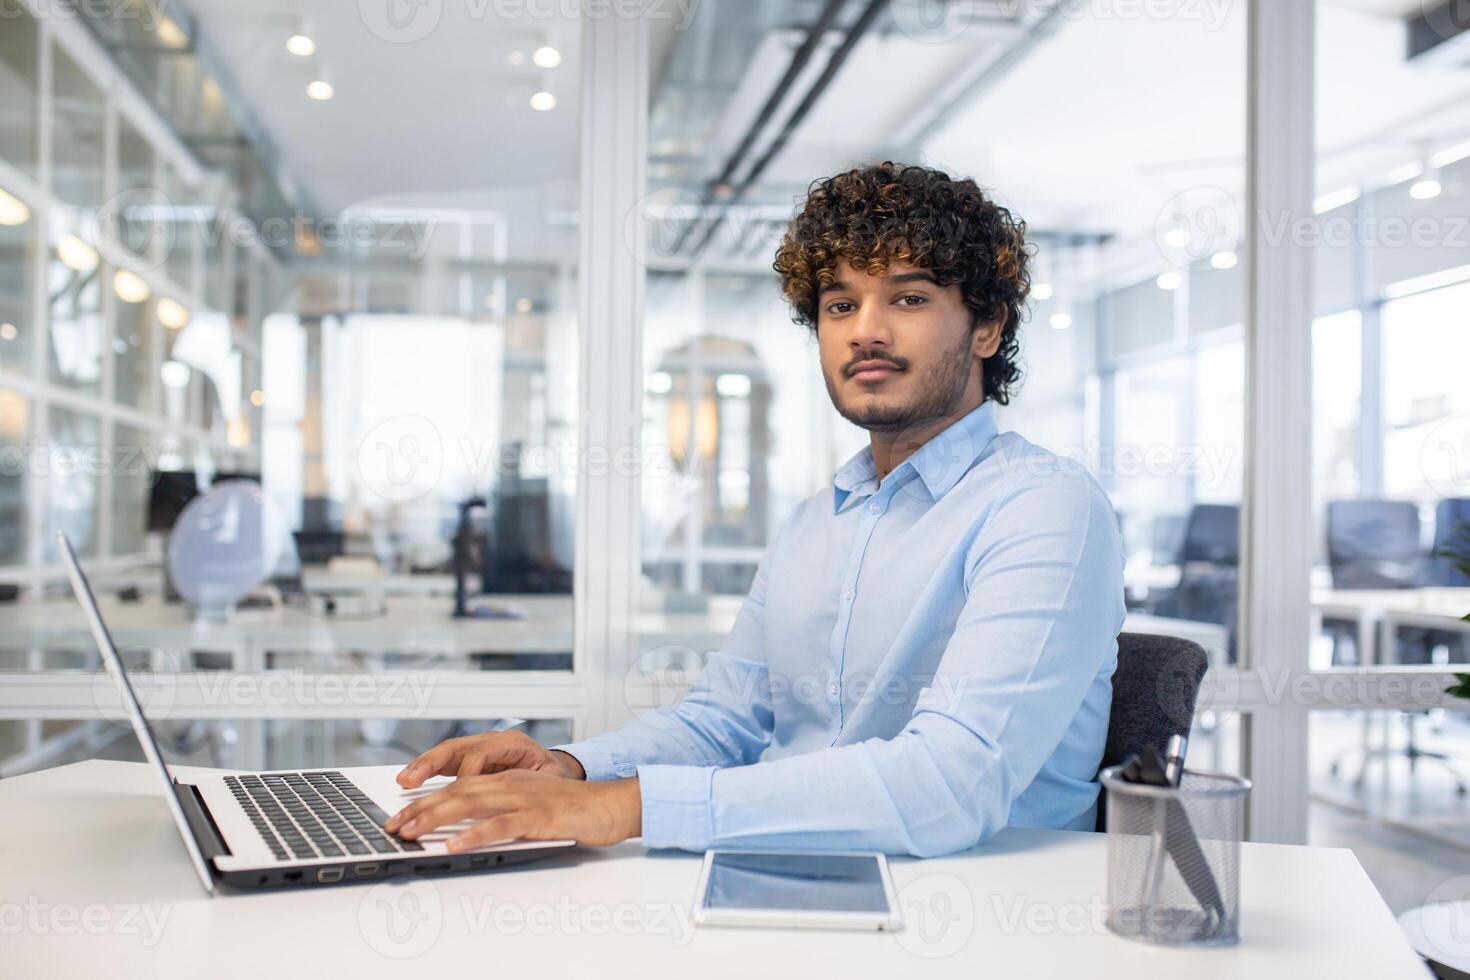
(1211, 534)
(1154, 690)
(1374, 544)
(1451, 532)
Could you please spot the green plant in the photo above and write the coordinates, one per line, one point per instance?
(1458, 554)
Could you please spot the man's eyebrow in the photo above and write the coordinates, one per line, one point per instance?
(919, 276)
(894, 280)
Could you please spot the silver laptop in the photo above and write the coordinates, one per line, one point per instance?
(289, 829)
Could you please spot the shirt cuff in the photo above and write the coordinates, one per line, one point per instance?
(597, 761)
(676, 806)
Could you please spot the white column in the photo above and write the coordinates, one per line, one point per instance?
(1277, 533)
(614, 117)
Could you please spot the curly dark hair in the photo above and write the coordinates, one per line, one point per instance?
(901, 213)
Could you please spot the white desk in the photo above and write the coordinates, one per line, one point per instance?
(89, 855)
(1378, 613)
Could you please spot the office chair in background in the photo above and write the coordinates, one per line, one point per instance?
(1154, 690)
(1375, 544)
(1209, 570)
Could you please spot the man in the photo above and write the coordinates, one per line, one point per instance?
(926, 652)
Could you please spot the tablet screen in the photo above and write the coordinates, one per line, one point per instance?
(796, 882)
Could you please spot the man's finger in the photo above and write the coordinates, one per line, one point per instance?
(442, 758)
(472, 764)
(516, 825)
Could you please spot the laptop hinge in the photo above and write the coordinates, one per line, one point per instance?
(211, 841)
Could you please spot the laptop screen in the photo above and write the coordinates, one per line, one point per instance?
(139, 721)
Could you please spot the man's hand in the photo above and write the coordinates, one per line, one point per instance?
(475, 755)
(526, 805)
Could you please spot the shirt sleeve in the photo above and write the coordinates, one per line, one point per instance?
(725, 719)
(1044, 583)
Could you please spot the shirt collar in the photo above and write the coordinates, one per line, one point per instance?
(940, 462)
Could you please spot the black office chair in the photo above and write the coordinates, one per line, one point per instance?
(1209, 571)
(1154, 690)
(1375, 544)
(1451, 534)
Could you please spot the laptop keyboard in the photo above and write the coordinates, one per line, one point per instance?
(315, 814)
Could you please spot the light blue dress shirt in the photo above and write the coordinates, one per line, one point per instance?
(921, 661)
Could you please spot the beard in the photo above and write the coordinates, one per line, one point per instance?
(937, 393)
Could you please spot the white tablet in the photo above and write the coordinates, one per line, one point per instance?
(803, 891)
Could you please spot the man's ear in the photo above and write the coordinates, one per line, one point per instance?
(985, 338)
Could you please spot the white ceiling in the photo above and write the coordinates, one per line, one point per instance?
(1094, 130)
(438, 116)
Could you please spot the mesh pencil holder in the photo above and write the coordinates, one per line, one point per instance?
(1174, 858)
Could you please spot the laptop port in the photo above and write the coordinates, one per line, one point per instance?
(479, 862)
(326, 875)
(363, 870)
(291, 876)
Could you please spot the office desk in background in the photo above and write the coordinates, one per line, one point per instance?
(90, 855)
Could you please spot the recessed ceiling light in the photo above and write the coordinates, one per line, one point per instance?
(1060, 321)
(130, 287)
(8, 331)
(543, 102)
(321, 90)
(301, 45)
(76, 254)
(1176, 237)
(546, 57)
(175, 374)
(1425, 188)
(171, 313)
(1041, 291)
(1169, 280)
(1224, 260)
(257, 398)
(13, 211)
(516, 58)
(170, 35)
(524, 305)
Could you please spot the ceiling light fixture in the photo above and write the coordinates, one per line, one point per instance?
(1223, 260)
(76, 254)
(13, 210)
(1169, 281)
(301, 45)
(175, 374)
(543, 102)
(320, 87)
(1060, 321)
(172, 313)
(130, 287)
(546, 57)
(1041, 291)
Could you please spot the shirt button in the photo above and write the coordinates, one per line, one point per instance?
(847, 595)
(875, 508)
(833, 689)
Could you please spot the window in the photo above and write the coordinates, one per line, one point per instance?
(19, 75)
(77, 146)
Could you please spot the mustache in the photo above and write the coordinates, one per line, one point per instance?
(898, 362)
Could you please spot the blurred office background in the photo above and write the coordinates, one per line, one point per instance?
(336, 255)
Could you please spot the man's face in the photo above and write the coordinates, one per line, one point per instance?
(898, 350)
